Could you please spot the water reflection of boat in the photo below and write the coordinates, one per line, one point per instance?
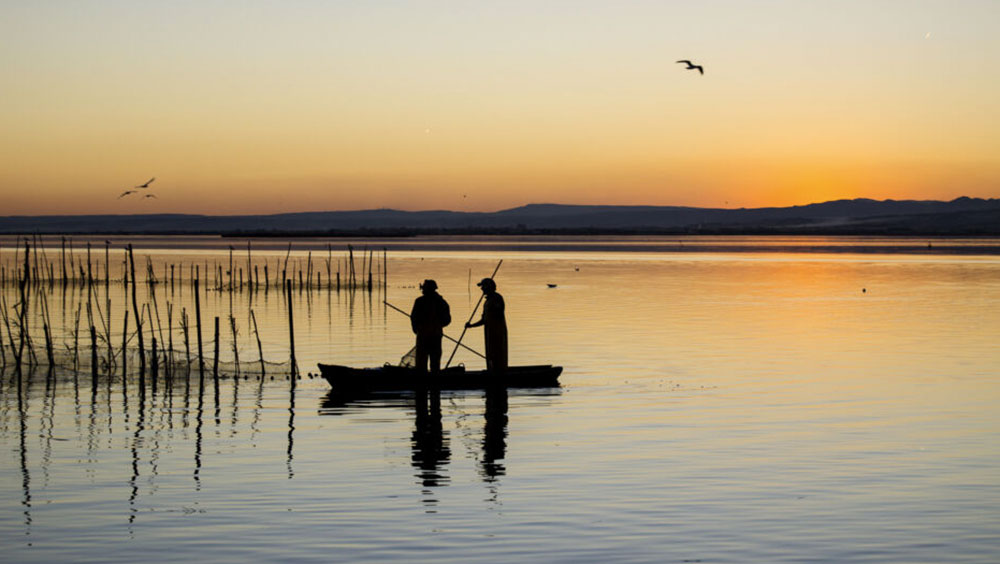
(390, 377)
(344, 401)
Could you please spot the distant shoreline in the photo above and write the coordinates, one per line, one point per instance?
(410, 233)
(961, 217)
(530, 243)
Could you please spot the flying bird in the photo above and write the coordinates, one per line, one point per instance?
(149, 196)
(691, 65)
(126, 193)
(150, 181)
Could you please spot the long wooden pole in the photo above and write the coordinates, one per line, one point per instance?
(476, 309)
(452, 339)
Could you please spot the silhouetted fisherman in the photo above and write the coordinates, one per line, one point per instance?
(429, 317)
(494, 324)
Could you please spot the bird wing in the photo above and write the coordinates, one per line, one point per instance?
(685, 61)
(126, 193)
(150, 195)
(148, 182)
(701, 70)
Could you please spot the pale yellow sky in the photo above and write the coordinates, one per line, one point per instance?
(265, 107)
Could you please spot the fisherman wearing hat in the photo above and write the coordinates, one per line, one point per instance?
(429, 317)
(494, 325)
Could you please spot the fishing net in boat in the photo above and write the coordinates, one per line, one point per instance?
(409, 360)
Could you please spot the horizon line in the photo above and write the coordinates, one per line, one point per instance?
(441, 210)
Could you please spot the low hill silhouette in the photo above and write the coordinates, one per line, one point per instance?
(962, 216)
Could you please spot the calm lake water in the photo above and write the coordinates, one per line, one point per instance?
(723, 400)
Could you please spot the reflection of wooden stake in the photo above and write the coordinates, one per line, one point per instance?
(125, 348)
(155, 365)
(93, 354)
(197, 319)
(215, 363)
(48, 345)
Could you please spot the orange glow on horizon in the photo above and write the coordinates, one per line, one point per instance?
(492, 108)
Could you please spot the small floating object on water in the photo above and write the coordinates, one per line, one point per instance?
(551, 285)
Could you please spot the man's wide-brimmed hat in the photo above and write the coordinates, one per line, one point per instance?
(429, 285)
(487, 283)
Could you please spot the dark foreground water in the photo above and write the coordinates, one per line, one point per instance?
(715, 407)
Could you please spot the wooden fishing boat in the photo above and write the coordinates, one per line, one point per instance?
(391, 377)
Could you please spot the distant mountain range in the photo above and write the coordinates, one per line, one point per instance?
(962, 216)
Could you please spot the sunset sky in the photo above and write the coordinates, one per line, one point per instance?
(266, 107)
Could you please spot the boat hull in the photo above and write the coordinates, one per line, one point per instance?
(455, 378)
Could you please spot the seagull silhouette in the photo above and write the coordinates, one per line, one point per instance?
(149, 196)
(126, 193)
(150, 181)
(691, 65)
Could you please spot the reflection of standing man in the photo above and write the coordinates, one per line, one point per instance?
(430, 450)
(494, 322)
(495, 433)
(429, 317)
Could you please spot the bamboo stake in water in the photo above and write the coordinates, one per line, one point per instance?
(48, 345)
(63, 270)
(291, 329)
(197, 318)
(135, 311)
(90, 276)
(353, 280)
(169, 360)
(3, 347)
(107, 264)
(23, 313)
(249, 261)
(155, 364)
(236, 351)
(260, 349)
(185, 325)
(125, 349)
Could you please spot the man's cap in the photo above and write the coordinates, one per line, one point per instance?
(429, 285)
(487, 283)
